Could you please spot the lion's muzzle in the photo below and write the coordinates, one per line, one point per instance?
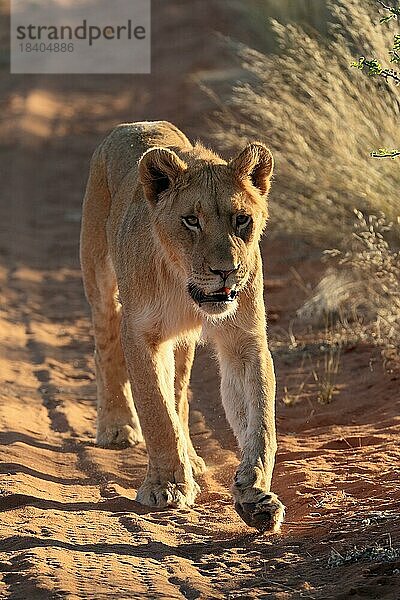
(223, 295)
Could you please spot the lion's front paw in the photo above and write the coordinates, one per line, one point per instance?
(168, 494)
(118, 435)
(261, 510)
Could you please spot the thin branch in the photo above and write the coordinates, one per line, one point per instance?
(395, 12)
(382, 153)
(375, 69)
(384, 5)
(386, 73)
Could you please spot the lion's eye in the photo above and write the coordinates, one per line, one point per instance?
(191, 222)
(242, 221)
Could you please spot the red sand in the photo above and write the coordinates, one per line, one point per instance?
(70, 527)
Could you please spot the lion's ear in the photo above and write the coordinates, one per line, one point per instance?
(256, 163)
(158, 169)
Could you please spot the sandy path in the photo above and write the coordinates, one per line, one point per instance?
(69, 525)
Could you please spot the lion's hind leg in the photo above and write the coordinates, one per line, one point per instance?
(117, 420)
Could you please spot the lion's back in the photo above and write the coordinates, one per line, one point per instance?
(123, 147)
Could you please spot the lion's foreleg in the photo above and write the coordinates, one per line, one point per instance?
(248, 396)
(259, 438)
(169, 480)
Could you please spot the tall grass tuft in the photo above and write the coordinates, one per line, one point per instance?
(321, 118)
(371, 267)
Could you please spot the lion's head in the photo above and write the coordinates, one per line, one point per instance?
(208, 216)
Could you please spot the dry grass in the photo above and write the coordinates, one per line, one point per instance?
(372, 265)
(376, 553)
(321, 118)
(362, 290)
(326, 378)
(317, 378)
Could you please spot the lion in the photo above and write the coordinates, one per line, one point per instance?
(170, 254)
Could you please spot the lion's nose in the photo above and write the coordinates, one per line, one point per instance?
(225, 273)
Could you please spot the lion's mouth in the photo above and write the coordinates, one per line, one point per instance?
(222, 295)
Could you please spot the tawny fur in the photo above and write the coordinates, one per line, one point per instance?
(138, 258)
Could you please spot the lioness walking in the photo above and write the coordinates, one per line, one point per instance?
(169, 251)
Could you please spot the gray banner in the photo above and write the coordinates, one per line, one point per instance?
(80, 36)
